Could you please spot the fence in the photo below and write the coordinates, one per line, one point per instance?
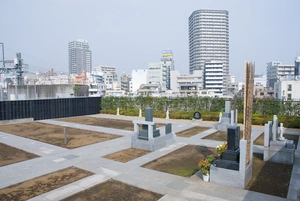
(49, 108)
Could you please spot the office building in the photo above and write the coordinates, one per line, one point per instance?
(209, 40)
(110, 75)
(167, 65)
(297, 66)
(80, 57)
(276, 70)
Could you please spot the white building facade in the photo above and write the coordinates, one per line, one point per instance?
(277, 70)
(213, 77)
(109, 75)
(287, 89)
(138, 77)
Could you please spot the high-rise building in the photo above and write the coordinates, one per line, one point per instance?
(297, 66)
(80, 57)
(209, 40)
(167, 65)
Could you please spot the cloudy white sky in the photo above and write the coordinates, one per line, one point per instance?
(129, 34)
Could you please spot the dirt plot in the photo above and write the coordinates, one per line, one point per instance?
(114, 190)
(192, 131)
(182, 162)
(220, 136)
(126, 155)
(42, 184)
(53, 134)
(260, 139)
(10, 155)
(104, 122)
(269, 178)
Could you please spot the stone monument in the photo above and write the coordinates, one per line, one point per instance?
(149, 137)
(230, 157)
(235, 167)
(226, 119)
(278, 150)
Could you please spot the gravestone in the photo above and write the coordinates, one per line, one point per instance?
(224, 120)
(230, 157)
(143, 134)
(150, 138)
(279, 149)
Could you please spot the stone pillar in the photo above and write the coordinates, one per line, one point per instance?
(232, 117)
(267, 135)
(275, 127)
(236, 116)
(150, 132)
(227, 106)
(140, 113)
(118, 111)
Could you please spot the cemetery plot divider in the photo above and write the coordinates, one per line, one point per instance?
(49, 108)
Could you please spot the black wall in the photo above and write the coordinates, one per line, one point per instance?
(49, 108)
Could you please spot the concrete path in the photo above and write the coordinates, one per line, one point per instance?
(89, 157)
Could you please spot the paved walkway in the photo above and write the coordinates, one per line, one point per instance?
(173, 187)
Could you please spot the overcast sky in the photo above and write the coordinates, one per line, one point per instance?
(129, 34)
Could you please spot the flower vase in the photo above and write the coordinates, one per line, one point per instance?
(206, 177)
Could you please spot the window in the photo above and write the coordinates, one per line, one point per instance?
(289, 87)
(289, 97)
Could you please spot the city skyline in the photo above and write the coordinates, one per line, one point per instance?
(129, 35)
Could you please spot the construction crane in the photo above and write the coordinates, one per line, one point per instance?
(17, 68)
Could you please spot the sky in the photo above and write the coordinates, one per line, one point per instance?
(128, 34)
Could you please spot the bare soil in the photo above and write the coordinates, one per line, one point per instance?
(53, 134)
(126, 155)
(269, 178)
(10, 155)
(260, 139)
(104, 122)
(42, 184)
(192, 131)
(219, 136)
(114, 190)
(183, 161)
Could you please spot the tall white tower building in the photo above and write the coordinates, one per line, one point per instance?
(209, 40)
(80, 57)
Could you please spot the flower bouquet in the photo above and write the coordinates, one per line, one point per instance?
(205, 164)
(221, 148)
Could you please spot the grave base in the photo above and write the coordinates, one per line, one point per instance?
(280, 152)
(234, 178)
(153, 144)
(229, 177)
